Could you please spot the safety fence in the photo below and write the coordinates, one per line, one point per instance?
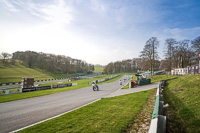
(71, 79)
(14, 91)
(48, 87)
(158, 122)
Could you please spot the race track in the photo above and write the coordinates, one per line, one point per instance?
(18, 114)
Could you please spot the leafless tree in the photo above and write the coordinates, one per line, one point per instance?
(196, 47)
(169, 53)
(5, 56)
(150, 52)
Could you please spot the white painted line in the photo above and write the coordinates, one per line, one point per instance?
(53, 117)
(110, 95)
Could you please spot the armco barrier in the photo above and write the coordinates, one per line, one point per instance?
(158, 122)
(48, 87)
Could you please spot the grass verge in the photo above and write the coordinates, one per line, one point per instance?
(143, 119)
(183, 96)
(14, 73)
(81, 84)
(98, 68)
(157, 78)
(114, 114)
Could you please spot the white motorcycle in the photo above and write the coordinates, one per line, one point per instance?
(95, 88)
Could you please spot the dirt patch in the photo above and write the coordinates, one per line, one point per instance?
(143, 120)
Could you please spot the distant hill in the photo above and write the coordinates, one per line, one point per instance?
(13, 73)
(98, 68)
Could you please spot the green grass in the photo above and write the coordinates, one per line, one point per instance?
(14, 73)
(183, 97)
(157, 78)
(98, 68)
(81, 84)
(109, 115)
(87, 82)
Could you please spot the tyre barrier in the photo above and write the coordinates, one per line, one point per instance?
(158, 121)
(106, 79)
(12, 91)
(36, 81)
(48, 87)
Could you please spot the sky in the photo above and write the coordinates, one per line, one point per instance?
(96, 31)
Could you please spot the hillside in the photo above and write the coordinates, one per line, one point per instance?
(98, 68)
(14, 73)
(183, 96)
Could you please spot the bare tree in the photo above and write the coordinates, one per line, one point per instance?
(185, 53)
(5, 55)
(169, 53)
(150, 52)
(196, 46)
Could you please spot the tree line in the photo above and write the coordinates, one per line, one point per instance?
(58, 64)
(176, 54)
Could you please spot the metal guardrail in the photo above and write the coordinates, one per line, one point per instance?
(158, 121)
(39, 81)
(21, 90)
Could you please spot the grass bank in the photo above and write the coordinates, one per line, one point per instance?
(183, 96)
(81, 84)
(157, 78)
(107, 115)
(98, 68)
(14, 73)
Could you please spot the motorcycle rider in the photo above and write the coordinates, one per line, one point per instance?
(94, 86)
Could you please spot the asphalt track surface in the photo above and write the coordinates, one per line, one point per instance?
(21, 113)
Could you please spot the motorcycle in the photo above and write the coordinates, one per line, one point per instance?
(95, 88)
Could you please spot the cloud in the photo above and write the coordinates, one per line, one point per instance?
(184, 33)
(10, 6)
(57, 12)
